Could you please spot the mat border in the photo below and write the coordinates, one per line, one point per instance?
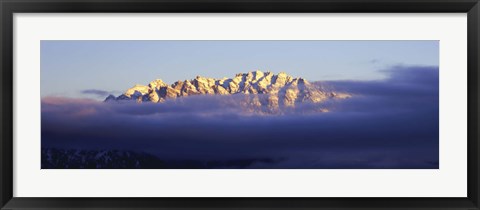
(9, 7)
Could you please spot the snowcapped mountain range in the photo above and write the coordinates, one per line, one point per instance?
(264, 89)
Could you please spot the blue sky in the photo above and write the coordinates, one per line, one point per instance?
(69, 67)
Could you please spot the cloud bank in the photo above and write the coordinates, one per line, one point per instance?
(392, 123)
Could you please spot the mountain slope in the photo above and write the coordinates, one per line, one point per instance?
(264, 89)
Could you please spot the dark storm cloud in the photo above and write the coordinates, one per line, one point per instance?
(392, 123)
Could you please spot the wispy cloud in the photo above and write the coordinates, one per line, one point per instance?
(96, 92)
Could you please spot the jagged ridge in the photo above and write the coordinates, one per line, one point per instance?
(279, 90)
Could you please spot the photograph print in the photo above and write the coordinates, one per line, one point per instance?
(238, 104)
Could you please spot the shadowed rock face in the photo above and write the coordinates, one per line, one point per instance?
(262, 90)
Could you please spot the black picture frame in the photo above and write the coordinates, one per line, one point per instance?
(9, 7)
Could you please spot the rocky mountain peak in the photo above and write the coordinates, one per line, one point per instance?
(265, 88)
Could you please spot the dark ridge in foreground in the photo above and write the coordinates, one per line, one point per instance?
(53, 158)
(97, 159)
